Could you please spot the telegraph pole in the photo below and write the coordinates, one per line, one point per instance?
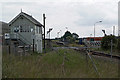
(44, 29)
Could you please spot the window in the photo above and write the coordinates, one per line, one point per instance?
(16, 29)
(21, 30)
(31, 29)
(36, 29)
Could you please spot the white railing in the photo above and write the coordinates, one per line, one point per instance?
(18, 36)
(14, 36)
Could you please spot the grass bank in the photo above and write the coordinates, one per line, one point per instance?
(49, 65)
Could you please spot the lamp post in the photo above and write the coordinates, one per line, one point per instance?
(94, 27)
(113, 30)
(104, 32)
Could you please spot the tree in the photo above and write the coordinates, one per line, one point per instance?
(74, 35)
(106, 42)
(70, 39)
(67, 33)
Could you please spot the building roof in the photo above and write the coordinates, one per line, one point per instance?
(29, 17)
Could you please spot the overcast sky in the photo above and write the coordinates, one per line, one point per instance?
(78, 15)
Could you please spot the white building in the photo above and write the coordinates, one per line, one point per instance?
(25, 29)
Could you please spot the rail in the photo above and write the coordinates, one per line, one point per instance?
(92, 52)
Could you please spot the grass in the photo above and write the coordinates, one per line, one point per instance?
(75, 45)
(49, 65)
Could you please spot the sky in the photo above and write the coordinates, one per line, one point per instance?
(79, 16)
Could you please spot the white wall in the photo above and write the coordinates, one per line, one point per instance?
(38, 42)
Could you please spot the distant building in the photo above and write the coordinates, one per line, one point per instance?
(91, 41)
(119, 18)
(94, 39)
(26, 29)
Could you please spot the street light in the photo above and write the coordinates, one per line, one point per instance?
(104, 32)
(113, 30)
(94, 27)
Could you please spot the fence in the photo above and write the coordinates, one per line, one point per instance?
(94, 44)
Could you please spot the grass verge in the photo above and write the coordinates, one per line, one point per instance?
(49, 65)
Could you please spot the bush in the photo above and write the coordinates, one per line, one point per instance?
(70, 39)
(106, 42)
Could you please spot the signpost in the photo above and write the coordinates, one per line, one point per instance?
(50, 29)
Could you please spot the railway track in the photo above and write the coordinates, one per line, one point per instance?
(100, 53)
(90, 51)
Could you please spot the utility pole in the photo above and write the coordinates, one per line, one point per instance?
(44, 29)
(94, 31)
(49, 40)
(94, 27)
(113, 30)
